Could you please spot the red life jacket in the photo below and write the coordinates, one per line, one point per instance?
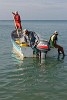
(17, 18)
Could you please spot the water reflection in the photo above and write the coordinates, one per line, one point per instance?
(36, 61)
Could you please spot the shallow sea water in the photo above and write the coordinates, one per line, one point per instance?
(30, 79)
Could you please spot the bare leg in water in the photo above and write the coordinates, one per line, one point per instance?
(60, 50)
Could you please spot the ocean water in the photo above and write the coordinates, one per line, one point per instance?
(29, 79)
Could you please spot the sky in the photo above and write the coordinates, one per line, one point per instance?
(34, 9)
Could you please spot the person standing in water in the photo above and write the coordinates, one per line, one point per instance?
(53, 43)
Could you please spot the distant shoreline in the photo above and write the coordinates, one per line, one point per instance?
(33, 20)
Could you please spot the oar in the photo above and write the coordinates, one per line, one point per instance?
(14, 20)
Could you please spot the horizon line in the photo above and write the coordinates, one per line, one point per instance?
(35, 19)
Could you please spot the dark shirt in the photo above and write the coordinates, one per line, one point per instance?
(31, 37)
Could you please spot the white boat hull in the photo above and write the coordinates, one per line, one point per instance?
(28, 52)
(22, 51)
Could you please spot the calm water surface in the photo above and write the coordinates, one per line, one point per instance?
(29, 79)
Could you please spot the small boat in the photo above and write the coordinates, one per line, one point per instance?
(42, 49)
(22, 49)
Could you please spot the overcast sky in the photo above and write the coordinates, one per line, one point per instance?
(34, 9)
